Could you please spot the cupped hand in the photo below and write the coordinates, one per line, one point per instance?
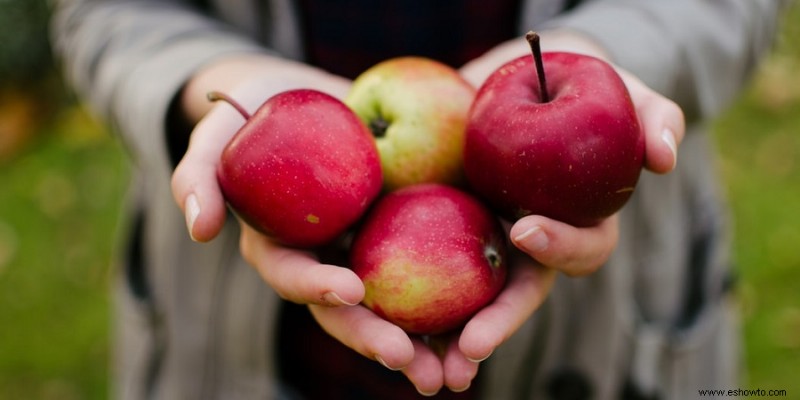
(294, 274)
(452, 360)
(548, 246)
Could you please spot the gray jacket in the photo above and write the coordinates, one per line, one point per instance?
(195, 321)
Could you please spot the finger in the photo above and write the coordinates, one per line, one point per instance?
(425, 370)
(458, 370)
(194, 181)
(574, 251)
(663, 124)
(528, 286)
(371, 336)
(297, 275)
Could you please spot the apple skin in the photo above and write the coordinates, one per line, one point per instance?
(430, 257)
(576, 158)
(417, 110)
(302, 169)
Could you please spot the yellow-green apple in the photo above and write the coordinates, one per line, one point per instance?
(566, 144)
(302, 169)
(430, 257)
(416, 109)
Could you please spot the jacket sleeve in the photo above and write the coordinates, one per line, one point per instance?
(128, 59)
(697, 52)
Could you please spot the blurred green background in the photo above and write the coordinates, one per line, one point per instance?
(63, 181)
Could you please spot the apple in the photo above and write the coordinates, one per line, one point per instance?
(416, 109)
(430, 257)
(566, 144)
(302, 169)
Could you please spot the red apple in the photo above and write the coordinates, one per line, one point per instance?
(302, 169)
(430, 257)
(568, 146)
(417, 110)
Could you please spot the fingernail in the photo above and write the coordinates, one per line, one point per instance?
(464, 389)
(427, 394)
(380, 360)
(333, 299)
(534, 239)
(192, 207)
(479, 360)
(668, 137)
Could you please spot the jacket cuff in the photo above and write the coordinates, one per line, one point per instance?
(635, 38)
(141, 105)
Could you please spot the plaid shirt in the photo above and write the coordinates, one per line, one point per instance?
(348, 36)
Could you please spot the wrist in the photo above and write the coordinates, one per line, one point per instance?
(476, 71)
(574, 42)
(240, 75)
(223, 75)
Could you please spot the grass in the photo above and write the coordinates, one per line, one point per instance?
(60, 204)
(759, 149)
(61, 201)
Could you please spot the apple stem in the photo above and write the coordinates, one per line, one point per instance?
(216, 96)
(533, 40)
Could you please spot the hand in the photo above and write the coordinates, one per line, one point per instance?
(295, 275)
(453, 360)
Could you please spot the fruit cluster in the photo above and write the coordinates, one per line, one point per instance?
(418, 167)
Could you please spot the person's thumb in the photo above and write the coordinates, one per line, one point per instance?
(194, 181)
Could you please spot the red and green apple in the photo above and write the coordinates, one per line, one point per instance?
(416, 109)
(430, 257)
